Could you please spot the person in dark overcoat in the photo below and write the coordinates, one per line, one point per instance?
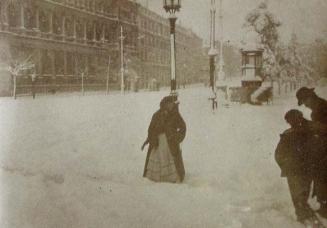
(292, 155)
(164, 161)
(318, 106)
(213, 98)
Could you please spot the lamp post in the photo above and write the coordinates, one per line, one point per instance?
(171, 6)
(221, 73)
(212, 51)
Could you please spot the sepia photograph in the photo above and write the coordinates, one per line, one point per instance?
(163, 113)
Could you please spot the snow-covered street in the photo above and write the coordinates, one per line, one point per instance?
(74, 161)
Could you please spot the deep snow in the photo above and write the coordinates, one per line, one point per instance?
(73, 161)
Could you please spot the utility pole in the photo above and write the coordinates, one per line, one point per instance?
(108, 75)
(122, 85)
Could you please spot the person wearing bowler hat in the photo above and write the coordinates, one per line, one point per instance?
(318, 106)
(164, 162)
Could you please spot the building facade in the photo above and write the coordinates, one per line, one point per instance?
(79, 40)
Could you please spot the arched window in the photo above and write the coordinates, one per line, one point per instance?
(79, 28)
(13, 14)
(91, 65)
(59, 62)
(99, 29)
(30, 19)
(2, 10)
(44, 21)
(57, 23)
(69, 26)
(70, 63)
(46, 62)
(89, 31)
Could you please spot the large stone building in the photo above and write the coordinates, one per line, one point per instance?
(69, 38)
(154, 49)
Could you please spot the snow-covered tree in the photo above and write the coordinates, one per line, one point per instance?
(266, 25)
(318, 58)
(302, 63)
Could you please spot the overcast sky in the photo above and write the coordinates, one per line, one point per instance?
(306, 18)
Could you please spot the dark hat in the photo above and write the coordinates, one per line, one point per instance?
(304, 93)
(168, 99)
(293, 115)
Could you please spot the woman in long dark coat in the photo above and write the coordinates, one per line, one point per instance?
(164, 162)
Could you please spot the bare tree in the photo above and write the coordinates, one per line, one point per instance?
(82, 70)
(14, 64)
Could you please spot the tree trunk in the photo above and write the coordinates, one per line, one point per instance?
(279, 87)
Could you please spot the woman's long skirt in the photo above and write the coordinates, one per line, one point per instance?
(161, 166)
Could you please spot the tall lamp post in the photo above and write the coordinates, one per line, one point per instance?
(212, 51)
(221, 73)
(171, 6)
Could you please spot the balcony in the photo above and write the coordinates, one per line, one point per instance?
(82, 8)
(35, 37)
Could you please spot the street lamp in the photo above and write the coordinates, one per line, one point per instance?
(212, 51)
(221, 73)
(171, 6)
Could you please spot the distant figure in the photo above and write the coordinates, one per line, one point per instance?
(318, 106)
(164, 162)
(213, 98)
(292, 155)
(33, 77)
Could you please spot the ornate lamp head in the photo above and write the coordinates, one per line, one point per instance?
(171, 6)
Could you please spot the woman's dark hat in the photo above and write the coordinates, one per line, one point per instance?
(304, 93)
(167, 100)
